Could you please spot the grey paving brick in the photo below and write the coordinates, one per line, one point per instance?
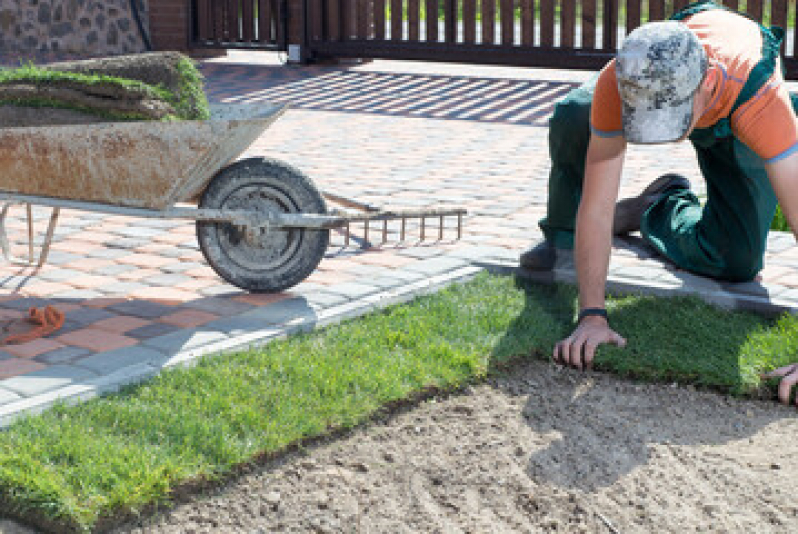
(63, 355)
(237, 326)
(107, 253)
(24, 304)
(168, 280)
(138, 232)
(7, 396)
(476, 253)
(114, 270)
(121, 288)
(352, 290)
(58, 257)
(182, 266)
(324, 299)
(141, 308)
(637, 272)
(55, 376)
(5, 355)
(78, 294)
(127, 242)
(59, 275)
(282, 311)
(386, 282)
(433, 266)
(104, 363)
(219, 306)
(421, 252)
(152, 330)
(222, 290)
(87, 316)
(185, 339)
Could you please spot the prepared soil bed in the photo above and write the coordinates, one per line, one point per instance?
(543, 449)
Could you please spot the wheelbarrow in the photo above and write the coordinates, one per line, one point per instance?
(261, 224)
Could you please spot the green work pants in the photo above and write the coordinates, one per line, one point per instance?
(725, 238)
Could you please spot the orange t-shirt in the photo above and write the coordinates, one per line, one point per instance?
(766, 123)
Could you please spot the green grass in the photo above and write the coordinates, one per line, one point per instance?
(190, 101)
(780, 222)
(74, 468)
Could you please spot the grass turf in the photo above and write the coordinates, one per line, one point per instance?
(74, 468)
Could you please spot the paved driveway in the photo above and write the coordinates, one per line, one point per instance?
(139, 297)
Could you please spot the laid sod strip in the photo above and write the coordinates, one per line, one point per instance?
(82, 467)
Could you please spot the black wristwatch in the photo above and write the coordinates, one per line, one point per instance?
(587, 312)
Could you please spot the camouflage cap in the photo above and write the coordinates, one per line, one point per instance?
(659, 67)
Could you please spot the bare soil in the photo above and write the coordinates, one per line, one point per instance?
(544, 449)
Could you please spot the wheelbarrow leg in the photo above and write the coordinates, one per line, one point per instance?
(48, 239)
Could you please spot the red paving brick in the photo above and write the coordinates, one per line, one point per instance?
(261, 299)
(121, 324)
(17, 366)
(164, 295)
(148, 261)
(96, 339)
(188, 318)
(33, 348)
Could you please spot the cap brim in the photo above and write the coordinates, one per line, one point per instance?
(652, 126)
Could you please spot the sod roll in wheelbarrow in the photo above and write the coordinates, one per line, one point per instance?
(153, 86)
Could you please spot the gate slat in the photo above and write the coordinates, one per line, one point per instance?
(379, 19)
(656, 10)
(450, 21)
(507, 22)
(547, 23)
(778, 16)
(432, 21)
(362, 10)
(754, 8)
(489, 22)
(527, 22)
(567, 23)
(679, 4)
(469, 21)
(396, 20)
(734, 4)
(316, 20)
(265, 21)
(232, 20)
(346, 18)
(247, 21)
(589, 24)
(413, 19)
(609, 25)
(204, 21)
(632, 14)
(334, 20)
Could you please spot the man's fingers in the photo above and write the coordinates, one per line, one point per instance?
(589, 353)
(786, 385)
(617, 340)
(781, 371)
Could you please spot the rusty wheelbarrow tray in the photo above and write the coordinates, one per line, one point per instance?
(261, 224)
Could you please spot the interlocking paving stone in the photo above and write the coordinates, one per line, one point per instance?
(53, 377)
(434, 266)
(219, 306)
(109, 361)
(62, 355)
(84, 316)
(141, 308)
(282, 312)
(353, 290)
(185, 339)
(151, 330)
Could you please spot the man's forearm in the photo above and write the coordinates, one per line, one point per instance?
(592, 255)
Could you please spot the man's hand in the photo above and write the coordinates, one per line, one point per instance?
(789, 380)
(579, 348)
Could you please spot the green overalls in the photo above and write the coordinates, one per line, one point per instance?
(724, 239)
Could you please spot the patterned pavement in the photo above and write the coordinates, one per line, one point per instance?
(139, 297)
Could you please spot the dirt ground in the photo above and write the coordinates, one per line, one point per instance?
(542, 450)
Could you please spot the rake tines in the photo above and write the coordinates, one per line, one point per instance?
(411, 222)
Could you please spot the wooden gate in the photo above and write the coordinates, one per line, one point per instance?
(542, 33)
(239, 24)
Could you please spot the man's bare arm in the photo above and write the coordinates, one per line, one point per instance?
(783, 176)
(593, 243)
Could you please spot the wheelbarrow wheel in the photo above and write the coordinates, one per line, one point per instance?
(264, 260)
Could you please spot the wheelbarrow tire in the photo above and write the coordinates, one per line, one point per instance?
(275, 259)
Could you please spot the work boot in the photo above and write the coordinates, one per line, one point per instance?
(629, 211)
(541, 257)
